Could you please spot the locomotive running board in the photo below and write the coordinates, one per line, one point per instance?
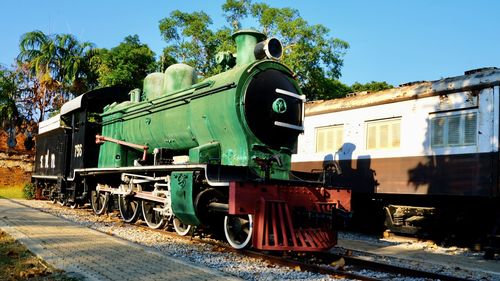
(157, 168)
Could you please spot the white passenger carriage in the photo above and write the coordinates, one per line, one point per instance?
(420, 150)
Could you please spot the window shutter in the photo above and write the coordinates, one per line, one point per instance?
(320, 140)
(371, 137)
(454, 130)
(384, 136)
(470, 128)
(329, 139)
(437, 131)
(339, 138)
(396, 134)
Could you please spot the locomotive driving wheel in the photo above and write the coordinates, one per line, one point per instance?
(180, 227)
(62, 201)
(238, 230)
(74, 205)
(130, 209)
(153, 218)
(99, 202)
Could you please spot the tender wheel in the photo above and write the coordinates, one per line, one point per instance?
(489, 254)
(54, 197)
(130, 210)
(238, 230)
(99, 202)
(63, 202)
(181, 228)
(153, 218)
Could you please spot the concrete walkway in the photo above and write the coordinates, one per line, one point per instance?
(91, 255)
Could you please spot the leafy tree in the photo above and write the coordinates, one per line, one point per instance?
(38, 54)
(166, 60)
(190, 40)
(126, 64)
(8, 91)
(35, 99)
(51, 70)
(235, 10)
(58, 58)
(332, 89)
(73, 64)
(308, 49)
(372, 86)
(38, 68)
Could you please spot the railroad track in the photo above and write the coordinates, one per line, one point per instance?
(321, 263)
(351, 268)
(357, 268)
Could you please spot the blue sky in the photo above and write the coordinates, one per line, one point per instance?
(393, 41)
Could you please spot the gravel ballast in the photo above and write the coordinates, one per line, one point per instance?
(238, 265)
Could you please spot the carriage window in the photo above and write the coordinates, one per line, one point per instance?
(383, 134)
(454, 130)
(329, 139)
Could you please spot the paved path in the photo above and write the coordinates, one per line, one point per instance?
(92, 255)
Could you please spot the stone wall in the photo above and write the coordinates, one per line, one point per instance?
(16, 164)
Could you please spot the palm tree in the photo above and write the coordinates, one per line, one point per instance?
(73, 58)
(59, 64)
(38, 52)
(36, 60)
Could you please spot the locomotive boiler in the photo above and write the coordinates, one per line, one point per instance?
(212, 155)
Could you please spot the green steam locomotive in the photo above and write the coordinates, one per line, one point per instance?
(213, 155)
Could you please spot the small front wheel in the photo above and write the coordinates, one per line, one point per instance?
(180, 227)
(238, 230)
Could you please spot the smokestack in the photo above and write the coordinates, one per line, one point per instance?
(246, 40)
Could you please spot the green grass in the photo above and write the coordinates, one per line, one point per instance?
(12, 192)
